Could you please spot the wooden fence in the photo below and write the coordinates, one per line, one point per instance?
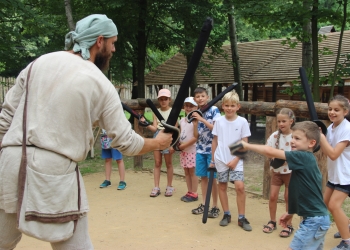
(267, 109)
(5, 84)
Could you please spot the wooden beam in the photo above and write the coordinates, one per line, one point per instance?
(257, 108)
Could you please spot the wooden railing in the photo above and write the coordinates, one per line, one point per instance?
(267, 109)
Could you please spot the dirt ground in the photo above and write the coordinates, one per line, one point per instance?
(130, 219)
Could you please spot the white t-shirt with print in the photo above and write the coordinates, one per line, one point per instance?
(229, 132)
(186, 134)
(339, 170)
(284, 144)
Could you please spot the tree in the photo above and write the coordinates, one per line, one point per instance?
(345, 4)
(69, 15)
(234, 51)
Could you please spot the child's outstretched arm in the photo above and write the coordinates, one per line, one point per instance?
(268, 151)
(153, 127)
(332, 153)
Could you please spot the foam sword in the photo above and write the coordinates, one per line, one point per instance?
(136, 115)
(205, 108)
(310, 103)
(169, 125)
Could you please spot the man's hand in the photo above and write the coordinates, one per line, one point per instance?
(164, 140)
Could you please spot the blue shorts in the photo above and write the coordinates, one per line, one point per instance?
(202, 164)
(341, 188)
(311, 233)
(111, 153)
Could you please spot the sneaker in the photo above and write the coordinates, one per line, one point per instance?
(190, 197)
(186, 195)
(227, 219)
(342, 246)
(214, 212)
(122, 185)
(105, 184)
(244, 223)
(198, 210)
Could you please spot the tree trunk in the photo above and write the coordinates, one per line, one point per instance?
(194, 84)
(234, 49)
(339, 48)
(307, 45)
(316, 67)
(142, 41)
(134, 80)
(187, 28)
(69, 15)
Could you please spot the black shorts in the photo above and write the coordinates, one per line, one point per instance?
(342, 188)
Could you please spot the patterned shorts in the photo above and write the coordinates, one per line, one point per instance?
(230, 175)
(188, 160)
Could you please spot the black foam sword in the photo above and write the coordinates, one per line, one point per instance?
(186, 82)
(136, 115)
(310, 103)
(205, 108)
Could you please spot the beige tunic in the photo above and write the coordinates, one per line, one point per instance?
(66, 96)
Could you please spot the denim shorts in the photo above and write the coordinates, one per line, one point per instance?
(311, 233)
(165, 151)
(111, 153)
(202, 165)
(341, 188)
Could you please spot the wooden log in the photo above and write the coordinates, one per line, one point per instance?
(138, 159)
(301, 110)
(257, 108)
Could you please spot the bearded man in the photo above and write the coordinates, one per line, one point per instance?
(67, 93)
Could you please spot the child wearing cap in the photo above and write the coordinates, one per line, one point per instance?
(187, 145)
(164, 98)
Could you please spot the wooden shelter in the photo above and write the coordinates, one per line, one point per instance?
(265, 65)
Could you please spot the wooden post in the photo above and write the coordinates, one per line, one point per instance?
(138, 159)
(321, 159)
(271, 124)
(253, 117)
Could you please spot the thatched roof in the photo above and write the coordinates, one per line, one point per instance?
(261, 62)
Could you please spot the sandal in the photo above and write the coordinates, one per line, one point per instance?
(198, 210)
(270, 229)
(155, 192)
(169, 191)
(289, 231)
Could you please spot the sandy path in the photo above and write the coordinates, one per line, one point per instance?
(130, 219)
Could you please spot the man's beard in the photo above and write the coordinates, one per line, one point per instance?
(102, 60)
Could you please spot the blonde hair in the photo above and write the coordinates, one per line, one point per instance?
(288, 112)
(231, 96)
(310, 129)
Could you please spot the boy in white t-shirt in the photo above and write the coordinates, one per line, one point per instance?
(227, 130)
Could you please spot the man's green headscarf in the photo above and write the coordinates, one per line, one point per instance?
(86, 32)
